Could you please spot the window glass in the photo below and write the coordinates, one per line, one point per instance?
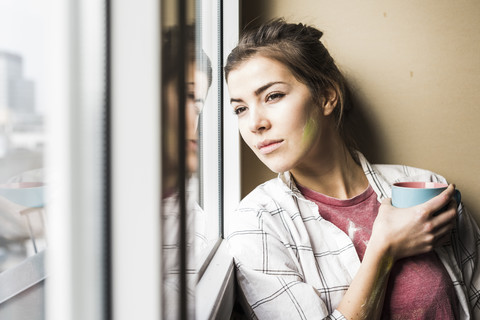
(22, 182)
(22, 178)
(190, 147)
(208, 222)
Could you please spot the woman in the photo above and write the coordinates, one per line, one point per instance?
(323, 240)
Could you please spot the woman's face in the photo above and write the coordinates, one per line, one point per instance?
(277, 116)
(196, 92)
(197, 88)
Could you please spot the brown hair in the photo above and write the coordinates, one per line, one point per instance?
(298, 47)
(194, 53)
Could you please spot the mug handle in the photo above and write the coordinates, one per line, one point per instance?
(458, 197)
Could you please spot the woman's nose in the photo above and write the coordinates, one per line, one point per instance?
(258, 120)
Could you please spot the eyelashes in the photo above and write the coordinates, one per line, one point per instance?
(269, 98)
(274, 96)
(239, 110)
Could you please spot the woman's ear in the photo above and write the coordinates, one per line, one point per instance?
(329, 101)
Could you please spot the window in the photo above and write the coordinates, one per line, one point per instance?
(128, 218)
(23, 182)
(54, 105)
(170, 275)
(22, 133)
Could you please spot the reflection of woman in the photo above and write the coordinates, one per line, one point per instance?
(322, 240)
(21, 217)
(198, 77)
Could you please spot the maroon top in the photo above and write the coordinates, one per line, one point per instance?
(419, 287)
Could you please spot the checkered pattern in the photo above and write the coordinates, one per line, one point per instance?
(293, 264)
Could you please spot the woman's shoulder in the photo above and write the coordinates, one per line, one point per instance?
(261, 208)
(271, 191)
(387, 174)
(393, 173)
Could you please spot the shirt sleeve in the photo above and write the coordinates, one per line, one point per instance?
(468, 253)
(268, 273)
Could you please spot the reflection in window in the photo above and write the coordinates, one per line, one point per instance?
(21, 162)
(190, 196)
(22, 140)
(208, 34)
(21, 136)
(179, 164)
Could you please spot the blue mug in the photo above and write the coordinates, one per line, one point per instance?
(409, 194)
(28, 194)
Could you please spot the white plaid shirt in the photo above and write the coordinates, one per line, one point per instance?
(293, 264)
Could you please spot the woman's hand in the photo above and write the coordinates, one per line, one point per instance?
(410, 231)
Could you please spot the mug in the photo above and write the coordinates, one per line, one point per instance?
(409, 194)
(28, 194)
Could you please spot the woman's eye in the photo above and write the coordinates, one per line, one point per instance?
(274, 96)
(239, 110)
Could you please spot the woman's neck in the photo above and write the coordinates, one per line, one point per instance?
(335, 174)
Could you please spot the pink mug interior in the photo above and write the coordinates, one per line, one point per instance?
(21, 185)
(421, 185)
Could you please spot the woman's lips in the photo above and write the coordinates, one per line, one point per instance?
(192, 145)
(268, 146)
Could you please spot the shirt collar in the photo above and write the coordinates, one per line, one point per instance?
(288, 181)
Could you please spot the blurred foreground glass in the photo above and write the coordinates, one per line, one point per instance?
(22, 141)
(21, 135)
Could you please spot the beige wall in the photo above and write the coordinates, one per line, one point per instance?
(415, 70)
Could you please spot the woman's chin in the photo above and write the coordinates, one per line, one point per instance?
(277, 167)
(192, 164)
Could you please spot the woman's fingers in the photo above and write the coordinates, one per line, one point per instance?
(411, 231)
(444, 222)
(437, 203)
(442, 235)
(447, 215)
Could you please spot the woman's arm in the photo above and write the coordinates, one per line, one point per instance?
(397, 233)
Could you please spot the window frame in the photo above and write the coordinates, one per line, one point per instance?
(135, 105)
(215, 288)
(77, 91)
(77, 262)
(215, 292)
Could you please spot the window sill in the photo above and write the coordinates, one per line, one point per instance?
(215, 290)
(22, 289)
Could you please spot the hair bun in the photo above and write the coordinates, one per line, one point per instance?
(314, 32)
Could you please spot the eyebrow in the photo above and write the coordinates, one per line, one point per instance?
(260, 90)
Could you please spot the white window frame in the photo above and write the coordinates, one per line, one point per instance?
(134, 269)
(210, 131)
(215, 293)
(74, 159)
(136, 164)
(74, 260)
